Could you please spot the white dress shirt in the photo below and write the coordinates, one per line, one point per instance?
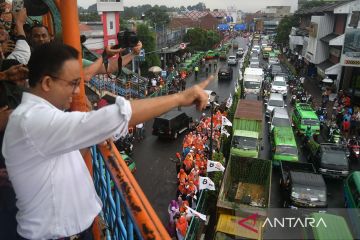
(54, 190)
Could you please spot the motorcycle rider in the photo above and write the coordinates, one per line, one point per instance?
(307, 136)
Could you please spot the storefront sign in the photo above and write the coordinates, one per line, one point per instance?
(351, 49)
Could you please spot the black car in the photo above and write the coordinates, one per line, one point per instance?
(302, 186)
(329, 159)
(171, 124)
(225, 73)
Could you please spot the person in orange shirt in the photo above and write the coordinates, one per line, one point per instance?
(182, 190)
(191, 188)
(188, 162)
(182, 176)
(202, 167)
(181, 228)
(183, 206)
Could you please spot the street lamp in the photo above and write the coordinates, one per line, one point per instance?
(212, 98)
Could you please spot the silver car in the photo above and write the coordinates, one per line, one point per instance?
(276, 100)
(279, 118)
(232, 60)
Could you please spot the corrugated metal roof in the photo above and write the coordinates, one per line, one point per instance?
(329, 37)
(249, 109)
(326, 7)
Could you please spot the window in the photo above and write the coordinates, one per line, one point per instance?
(354, 191)
(111, 25)
(355, 17)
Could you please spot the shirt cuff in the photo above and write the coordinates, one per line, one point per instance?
(126, 112)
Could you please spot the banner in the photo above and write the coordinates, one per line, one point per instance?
(226, 122)
(351, 49)
(224, 131)
(213, 166)
(229, 101)
(206, 183)
(196, 213)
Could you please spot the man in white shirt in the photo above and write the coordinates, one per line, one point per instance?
(55, 194)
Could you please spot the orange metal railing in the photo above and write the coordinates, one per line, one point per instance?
(145, 217)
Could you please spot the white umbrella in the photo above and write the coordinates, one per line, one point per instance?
(327, 80)
(155, 69)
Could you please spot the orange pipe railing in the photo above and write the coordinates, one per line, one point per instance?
(145, 217)
(71, 36)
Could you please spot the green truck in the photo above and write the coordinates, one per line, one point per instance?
(304, 116)
(283, 145)
(334, 227)
(352, 201)
(247, 129)
(245, 190)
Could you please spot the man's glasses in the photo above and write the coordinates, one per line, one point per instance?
(74, 83)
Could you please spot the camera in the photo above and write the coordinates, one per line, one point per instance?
(127, 39)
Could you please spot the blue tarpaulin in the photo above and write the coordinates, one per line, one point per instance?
(240, 27)
(223, 27)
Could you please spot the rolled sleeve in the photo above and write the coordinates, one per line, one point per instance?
(126, 111)
(21, 52)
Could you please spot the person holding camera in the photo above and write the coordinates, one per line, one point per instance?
(15, 46)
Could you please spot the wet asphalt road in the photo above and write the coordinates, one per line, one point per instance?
(156, 172)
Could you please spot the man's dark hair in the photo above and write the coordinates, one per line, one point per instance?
(48, 59)
(39, 25)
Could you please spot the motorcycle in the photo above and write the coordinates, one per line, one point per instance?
(354, 148)
(334, 134)
(322, 114)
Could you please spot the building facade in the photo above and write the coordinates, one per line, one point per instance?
(329, 41)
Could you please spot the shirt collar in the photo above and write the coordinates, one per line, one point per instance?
(29, 97)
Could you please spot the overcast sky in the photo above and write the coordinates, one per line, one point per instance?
(244, 5)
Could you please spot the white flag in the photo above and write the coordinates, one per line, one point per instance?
(226, 122)
(196, 213)
(229, 101)
(224, 131)
(236, 86)
(206, 183)
(213, 166)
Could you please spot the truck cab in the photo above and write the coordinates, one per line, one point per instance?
(253, 78)
(228, 228)
(247, 129)
(329, 159)
(245, 143)
(336, 228)
(304, 116)
(283, 145)
(302, 186)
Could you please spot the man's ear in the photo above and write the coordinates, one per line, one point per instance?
(46, 83)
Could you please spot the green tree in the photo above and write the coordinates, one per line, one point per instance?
(157, 16)
(148, 40)
(284, 28)
(200, 39)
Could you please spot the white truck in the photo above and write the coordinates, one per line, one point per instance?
(253, 78)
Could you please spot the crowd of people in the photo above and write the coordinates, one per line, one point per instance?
(192, 163)
(345, 114)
